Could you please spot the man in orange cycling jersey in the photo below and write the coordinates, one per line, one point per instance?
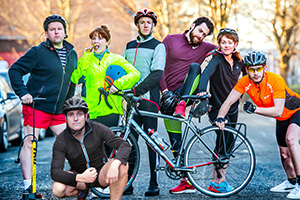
(273, 99)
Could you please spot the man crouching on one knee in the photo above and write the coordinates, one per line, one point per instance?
(82, 144)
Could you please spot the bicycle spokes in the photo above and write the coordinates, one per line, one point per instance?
(234, 163)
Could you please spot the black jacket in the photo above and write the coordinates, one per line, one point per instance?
(222, 80)
(48, 78)
(66, 146)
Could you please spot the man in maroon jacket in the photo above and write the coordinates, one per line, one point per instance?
(184, 54)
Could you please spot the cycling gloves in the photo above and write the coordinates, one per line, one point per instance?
(249, 107)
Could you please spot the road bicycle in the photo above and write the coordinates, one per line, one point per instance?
(204, 155)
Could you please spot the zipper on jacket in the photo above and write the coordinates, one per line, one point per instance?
(85, 151)
(83, 147)
(85, 155)
(136, 52)
(40, 91)
(62, 81)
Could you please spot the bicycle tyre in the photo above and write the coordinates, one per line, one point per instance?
(240, 164)
(134, 159)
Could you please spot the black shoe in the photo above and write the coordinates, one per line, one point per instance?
(27, 194)
(129, 190)
(153, 190)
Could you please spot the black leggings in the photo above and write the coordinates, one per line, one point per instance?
(148, 123)
(229, 138)
(191, 81)
(189, 86)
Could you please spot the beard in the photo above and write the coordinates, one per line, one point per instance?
(194, 39)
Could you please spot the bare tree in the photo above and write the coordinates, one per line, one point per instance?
(71, 10)
(286, 24)
(279, 20)
(173, 17)
(219, 11)
(26, 17)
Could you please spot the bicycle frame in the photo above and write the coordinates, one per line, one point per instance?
(219, 153)
(187, 121)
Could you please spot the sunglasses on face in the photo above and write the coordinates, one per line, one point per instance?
(258, 69)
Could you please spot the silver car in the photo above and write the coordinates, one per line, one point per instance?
(11, 120)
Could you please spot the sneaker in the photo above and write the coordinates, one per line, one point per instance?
(295, 193)
(286, 186)
(28, 191)
(83, 194)
(222, 187)
(180, 109)
(183, 187)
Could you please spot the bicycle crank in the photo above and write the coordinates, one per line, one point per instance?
(171, 173)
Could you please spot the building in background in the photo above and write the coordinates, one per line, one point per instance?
(11, 48)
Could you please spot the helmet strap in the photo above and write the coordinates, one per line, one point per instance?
(221, 52)
(77, 132)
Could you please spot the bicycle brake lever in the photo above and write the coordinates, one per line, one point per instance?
(105, 94)
(137, 110)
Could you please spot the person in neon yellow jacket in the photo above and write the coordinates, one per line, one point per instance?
(92, 67)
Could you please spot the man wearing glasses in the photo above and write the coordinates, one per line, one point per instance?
(273, 99)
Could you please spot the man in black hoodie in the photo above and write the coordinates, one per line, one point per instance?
(50, 65)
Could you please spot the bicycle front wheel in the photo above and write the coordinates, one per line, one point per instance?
(218, 156)
(133, 161)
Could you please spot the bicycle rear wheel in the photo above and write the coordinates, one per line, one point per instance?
(133, 161)
(236, 161)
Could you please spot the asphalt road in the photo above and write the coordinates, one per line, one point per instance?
(261, 133)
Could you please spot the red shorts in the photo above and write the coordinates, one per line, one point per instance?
(42, 119)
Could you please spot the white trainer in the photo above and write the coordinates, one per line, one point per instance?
(286, 186)
(295, 193)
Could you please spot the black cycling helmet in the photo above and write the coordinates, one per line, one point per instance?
(255, 58)
(228, 30)
(168, 102)
(145, 13)
(54, 18)
(74, 103)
